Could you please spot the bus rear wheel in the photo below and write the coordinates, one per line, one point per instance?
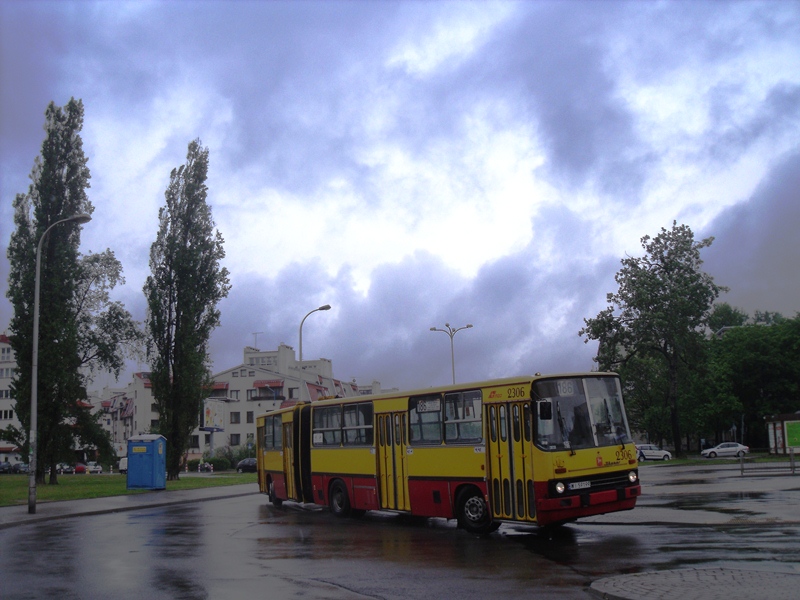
(339, 500)
(473, 513)
(271, 495)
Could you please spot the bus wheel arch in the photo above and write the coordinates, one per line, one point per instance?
(472, 511)
(339, 499)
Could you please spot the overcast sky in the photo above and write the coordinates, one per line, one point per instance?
(417, 163)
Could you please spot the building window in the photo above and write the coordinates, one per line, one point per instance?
(234, 394)
(154, 407)
(235, 373)
(195, 441)
(235, 418)
(243, 372)
(235, 439)
(293, 393)
(252, 394)
(250, 416)
(251, 374)
(153, 424)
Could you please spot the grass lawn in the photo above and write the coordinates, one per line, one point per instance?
(14, 488)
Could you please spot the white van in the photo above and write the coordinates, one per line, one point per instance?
(123, 465)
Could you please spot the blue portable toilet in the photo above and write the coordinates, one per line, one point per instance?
(147, 462)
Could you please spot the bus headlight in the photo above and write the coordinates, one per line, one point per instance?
(560, 487)
(633, 477)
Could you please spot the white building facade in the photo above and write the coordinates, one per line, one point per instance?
(264, 381)
(8, 416)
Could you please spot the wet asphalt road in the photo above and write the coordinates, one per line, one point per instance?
(245, 548)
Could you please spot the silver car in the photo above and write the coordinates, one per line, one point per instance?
(651, 452)
(725, 449)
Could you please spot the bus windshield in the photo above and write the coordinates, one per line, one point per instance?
(577, 413)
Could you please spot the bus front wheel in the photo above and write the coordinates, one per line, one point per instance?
(473, 513)
(339, 500)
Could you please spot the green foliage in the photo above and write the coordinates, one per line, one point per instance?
(59, 180)
(183, 290)
(657, 318)
(761, 373)
(725, 315)
(107, 332)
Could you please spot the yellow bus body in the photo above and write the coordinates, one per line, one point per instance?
(498, 456)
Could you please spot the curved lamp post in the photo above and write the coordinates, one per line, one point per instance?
(324, 307)
(79, 219)
(451, 332)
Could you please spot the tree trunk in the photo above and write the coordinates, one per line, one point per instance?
(673, 405)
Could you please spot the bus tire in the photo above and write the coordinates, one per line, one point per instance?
(271, 494)
(339, 500)
(473, 512)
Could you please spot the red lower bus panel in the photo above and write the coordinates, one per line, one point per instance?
(362, 491)
(554, 510)
(430, 498)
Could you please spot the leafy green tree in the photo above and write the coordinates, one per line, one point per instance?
(183, 290)
(659, 312)
(107, 332)
(59, 180)
(761, 375)
(725, 315)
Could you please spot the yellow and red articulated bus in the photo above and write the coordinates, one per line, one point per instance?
(540, 450)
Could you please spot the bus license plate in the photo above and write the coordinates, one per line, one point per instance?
(579, 485)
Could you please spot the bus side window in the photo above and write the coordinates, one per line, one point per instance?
(463, 417)
(277, 426)
(425, 419)
(328, 422)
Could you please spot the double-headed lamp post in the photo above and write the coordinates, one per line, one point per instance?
(324, 307)
(451, 332)
(80, 219)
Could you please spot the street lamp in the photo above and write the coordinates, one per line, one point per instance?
(79, 219)
(451, 332)
(325, 307)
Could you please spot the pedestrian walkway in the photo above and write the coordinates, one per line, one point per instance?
(705, 584)
(11, 516)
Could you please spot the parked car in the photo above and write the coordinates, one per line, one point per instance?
(93, 467)
(5, 467)
(80, 468)
(123, 465)
(21, 468)
(726, 449)
(247, 465)
(62, 468)
(652, 452)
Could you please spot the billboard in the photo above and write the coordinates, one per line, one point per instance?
(213, 415)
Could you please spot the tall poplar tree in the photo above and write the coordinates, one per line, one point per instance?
(59, 180)
(183, 290)
(659, 313)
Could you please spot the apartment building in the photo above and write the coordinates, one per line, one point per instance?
(8, 366)
(263, 381)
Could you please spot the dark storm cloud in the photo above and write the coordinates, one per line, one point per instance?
(310, 87)
(757, 247)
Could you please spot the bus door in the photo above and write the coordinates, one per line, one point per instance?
(392, 465)
(288, 461)
(510, 461)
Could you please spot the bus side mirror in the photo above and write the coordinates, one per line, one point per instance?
(545, 410)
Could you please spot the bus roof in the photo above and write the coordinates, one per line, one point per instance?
(521, 379)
